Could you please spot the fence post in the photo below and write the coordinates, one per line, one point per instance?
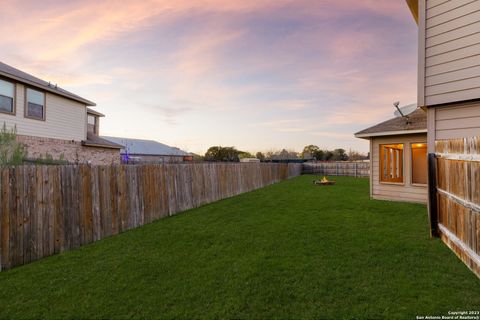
(432, 194)
(355, 169)
(336, 167)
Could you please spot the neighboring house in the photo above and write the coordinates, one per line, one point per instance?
(398, 149)
(50, 120)
(148, 151)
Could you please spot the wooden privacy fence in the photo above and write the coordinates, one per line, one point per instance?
(338, 168)
(457, 218)
(50, 209)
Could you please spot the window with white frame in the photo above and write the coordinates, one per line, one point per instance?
(7, 93)
(35, 108)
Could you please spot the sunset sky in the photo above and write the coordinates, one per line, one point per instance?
(255, 74)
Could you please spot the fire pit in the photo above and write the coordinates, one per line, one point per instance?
(323, 182)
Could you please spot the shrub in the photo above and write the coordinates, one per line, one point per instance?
(12, 152)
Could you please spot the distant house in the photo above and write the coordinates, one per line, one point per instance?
(50, 120)
(148, 151)
(398, 149)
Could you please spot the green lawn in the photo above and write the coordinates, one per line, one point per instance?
(291, 250)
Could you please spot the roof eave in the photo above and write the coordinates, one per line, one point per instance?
(156, 154)
(95, 113)
(98, 145)
(388, 133)
(51, 90)
(413, 5)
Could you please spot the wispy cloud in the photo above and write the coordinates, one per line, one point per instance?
(299, 69)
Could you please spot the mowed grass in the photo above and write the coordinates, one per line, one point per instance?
(291, 250)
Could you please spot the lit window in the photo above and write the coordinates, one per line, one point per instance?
(7, 91)
(419, 163)
(391, 163)
(35, 104)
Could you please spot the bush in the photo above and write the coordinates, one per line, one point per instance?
(11, 151)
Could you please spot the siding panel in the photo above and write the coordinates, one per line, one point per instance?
(453, 54)
(457, 133)
(454, 14)
(464, 123)
(450, 67)
(434, 3)
(457, 121)
(453, 24)
(452, 35)
(453, 45)
(453, 97)
(453, 86)
(445, 7)
(453, 76)
(464, 111)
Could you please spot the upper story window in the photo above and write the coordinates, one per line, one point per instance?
(35, 108)
(91, 119)
(7, 93)
(92, 124)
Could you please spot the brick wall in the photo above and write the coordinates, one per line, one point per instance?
(72, 151)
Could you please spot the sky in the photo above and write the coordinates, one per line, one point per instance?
(259, 75)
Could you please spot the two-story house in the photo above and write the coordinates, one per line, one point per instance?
(449, 90)
(52, 121)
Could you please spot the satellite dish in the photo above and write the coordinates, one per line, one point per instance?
(405, 110)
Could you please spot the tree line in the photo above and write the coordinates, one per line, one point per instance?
(310, 152)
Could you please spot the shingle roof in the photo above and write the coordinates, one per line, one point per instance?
(417, 123)
(96, 141)
(23, 77)
(146, 147)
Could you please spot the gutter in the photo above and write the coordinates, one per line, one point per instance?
(388, 133)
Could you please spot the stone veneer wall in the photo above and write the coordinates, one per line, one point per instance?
(73, 151)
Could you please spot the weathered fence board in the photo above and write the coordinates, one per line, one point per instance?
(50, 209)
(338, 168)
(458, 197)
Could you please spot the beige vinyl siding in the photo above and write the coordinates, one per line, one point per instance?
(397, 192)
(459, 121)
(65, 119)
(449, 53)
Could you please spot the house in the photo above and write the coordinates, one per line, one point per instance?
(398, 149)
(148, 151)
(449, 90)
(52, 121)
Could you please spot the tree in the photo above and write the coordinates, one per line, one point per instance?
(245, 154)
(226, 154)
(320, 155)
(310, 152)
(285, 154)
(11, 151)
(356, 156)
(260, 156)
(327, 156)
(339, 155)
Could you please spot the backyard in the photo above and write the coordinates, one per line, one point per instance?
(290, 250)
